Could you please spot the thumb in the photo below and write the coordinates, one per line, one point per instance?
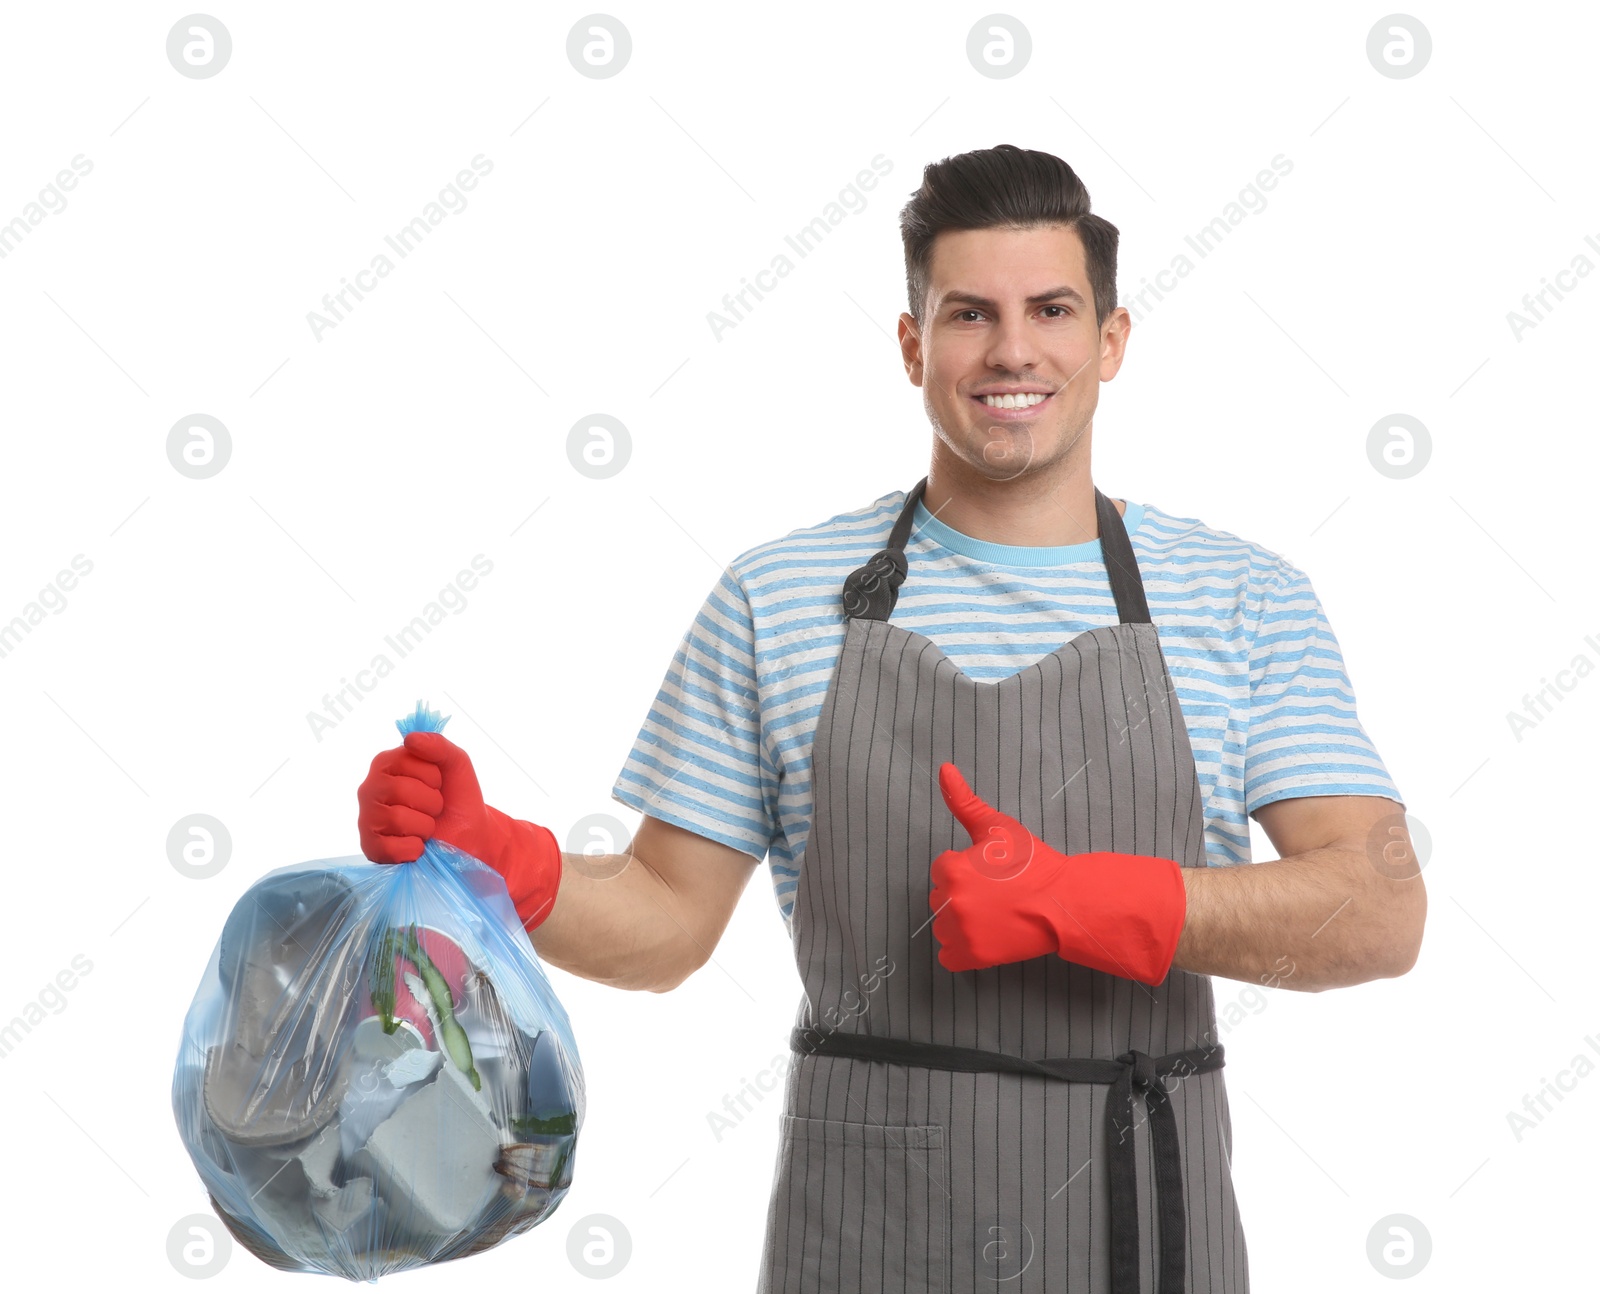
(973, 813)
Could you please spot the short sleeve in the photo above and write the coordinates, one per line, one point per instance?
(698, 761)
(1304, 736)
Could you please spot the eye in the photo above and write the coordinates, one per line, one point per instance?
(959, 313)
(1065, 309)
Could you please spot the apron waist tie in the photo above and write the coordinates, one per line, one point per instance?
(1130, 1073)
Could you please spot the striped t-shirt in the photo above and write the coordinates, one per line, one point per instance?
(725, 750)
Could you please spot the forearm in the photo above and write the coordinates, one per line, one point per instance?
(617, 922)
(1335, 916)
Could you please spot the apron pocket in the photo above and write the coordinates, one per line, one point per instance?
(858, 1208)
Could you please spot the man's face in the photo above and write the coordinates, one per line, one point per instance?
(1010, 311)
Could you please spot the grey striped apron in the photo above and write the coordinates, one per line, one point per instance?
(1029, 1127)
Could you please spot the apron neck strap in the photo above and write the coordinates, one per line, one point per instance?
(871, 591)
(1121, 569)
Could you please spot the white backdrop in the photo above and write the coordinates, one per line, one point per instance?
(369, 461)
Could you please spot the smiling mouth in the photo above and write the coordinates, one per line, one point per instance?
(1012, 407)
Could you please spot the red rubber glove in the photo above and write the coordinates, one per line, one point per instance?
(427, 790)
(1009, 896)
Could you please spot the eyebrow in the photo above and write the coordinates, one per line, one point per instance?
(1038, 299)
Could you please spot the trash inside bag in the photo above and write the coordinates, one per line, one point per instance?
(375, 1073)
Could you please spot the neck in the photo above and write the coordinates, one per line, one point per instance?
(1047, 508)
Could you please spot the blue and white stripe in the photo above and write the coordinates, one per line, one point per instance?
(725, 750)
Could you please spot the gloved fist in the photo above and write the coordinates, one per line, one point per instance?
(427, 790)
(399, 804)
(1009, 896)
(463, 818)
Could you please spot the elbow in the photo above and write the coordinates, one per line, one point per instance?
(632, 975)
(666, 983)
(686, 954)
(1408, 943)
(1387, 957)
(1386, 962)
(670, 975)
(1397, 915)
(1404, 957)
(1400, 951)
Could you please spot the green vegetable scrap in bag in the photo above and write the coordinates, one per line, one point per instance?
(404, 943)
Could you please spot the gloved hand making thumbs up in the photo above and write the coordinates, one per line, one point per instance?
(427, 790)
(1009, 896)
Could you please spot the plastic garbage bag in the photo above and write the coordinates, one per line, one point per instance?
(374, 1072)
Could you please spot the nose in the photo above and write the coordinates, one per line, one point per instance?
(1014, 347)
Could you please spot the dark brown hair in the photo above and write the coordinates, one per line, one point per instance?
(1005, 187)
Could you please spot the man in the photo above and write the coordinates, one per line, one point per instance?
(998, 734)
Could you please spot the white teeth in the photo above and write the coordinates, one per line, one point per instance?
(1014, 401)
